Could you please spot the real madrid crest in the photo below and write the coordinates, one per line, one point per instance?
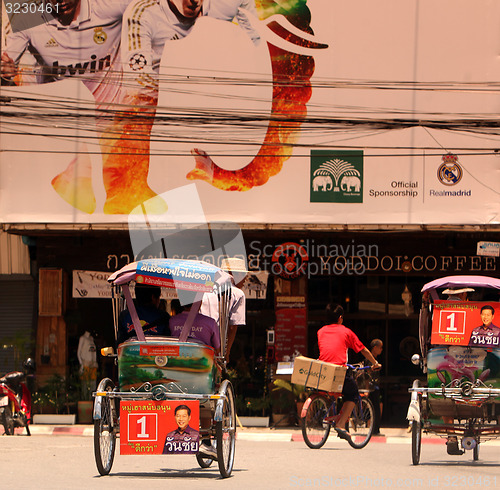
(450, 172)
(99, 35)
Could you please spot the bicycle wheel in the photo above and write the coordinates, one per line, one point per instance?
(416, 441)
(204, 462)
(105, 430)
(361, 424)
(7, 420)
(225, 432)
(314, 429)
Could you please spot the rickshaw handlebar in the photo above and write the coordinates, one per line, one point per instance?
(357, 367)
(470, 392)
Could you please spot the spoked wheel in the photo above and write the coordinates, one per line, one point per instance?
(105, 430)
(204, 462)
(225, 431)
(7, 420)
(314, 430)
(416, 441)
(361, 424)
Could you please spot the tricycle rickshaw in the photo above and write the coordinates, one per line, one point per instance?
(460, 347)
(157, 375)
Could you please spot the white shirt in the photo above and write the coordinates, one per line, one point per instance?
(88, 48)
(237, 306)
(87, 351)
(149, 24)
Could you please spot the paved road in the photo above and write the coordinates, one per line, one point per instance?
(264, 459)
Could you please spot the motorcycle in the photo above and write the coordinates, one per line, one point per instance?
(15, 399)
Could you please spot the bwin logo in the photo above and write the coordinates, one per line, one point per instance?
(92, 66)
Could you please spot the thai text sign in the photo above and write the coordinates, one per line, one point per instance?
(159, 427)
(465, 323)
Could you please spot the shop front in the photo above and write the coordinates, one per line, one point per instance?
(375, 276)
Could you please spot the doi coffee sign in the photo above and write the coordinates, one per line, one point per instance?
(318, 374)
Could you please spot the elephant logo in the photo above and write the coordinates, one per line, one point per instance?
(335, 179)
(323, 183)
(350, 182)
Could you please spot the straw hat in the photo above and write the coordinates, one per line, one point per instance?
(458, 291)
(234, 264)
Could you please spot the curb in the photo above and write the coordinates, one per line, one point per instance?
(398, 436)
(389, 436)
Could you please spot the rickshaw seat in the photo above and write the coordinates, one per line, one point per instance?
(186, 366)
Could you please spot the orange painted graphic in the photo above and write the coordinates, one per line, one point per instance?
(291, 91)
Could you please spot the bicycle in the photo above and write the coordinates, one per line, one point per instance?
(320, 409)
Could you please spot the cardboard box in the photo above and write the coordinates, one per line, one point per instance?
(318, 374)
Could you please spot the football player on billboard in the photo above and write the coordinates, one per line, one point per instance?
(81, 38)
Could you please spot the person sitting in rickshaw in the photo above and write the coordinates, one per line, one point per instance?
(154, 321)
(236, 267)
(204, 329)
(334, 340)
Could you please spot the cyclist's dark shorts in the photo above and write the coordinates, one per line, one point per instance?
(350, 391)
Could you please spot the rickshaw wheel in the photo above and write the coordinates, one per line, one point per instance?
(105, 430)
(361, 423)
(204, 462)
(225, 432)
(314, 430)
(416, 441)
(7, 420)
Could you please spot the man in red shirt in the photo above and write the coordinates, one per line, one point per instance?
(334, 340)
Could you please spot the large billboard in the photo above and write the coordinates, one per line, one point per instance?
(289, 111)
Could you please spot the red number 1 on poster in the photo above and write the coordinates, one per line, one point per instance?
(143, 427)
(452, 322)
(159, 427)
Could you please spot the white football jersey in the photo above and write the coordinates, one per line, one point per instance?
(149, 24)
(88, 48)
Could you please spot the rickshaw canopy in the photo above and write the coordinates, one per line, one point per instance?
(187, 275)
(462, 281)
